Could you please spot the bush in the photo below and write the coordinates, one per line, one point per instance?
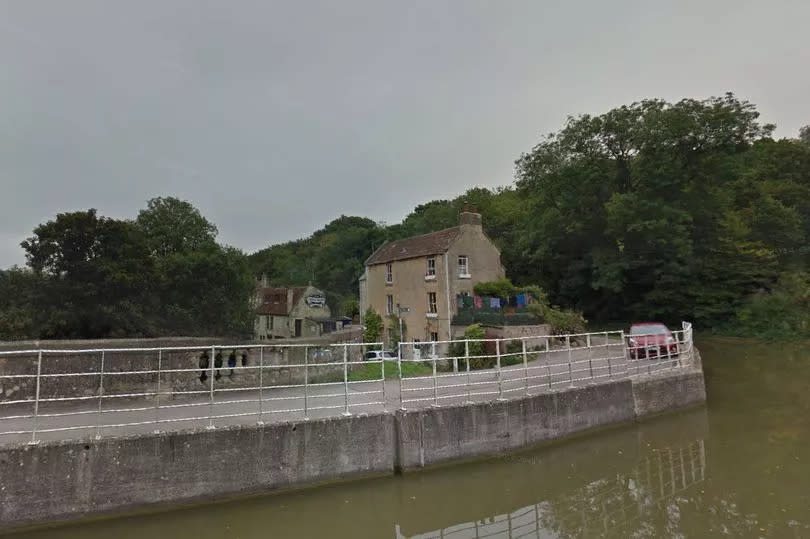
(514, 355)
(474, 334)
(565, 321)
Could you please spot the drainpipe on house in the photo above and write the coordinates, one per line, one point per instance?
(447, 288)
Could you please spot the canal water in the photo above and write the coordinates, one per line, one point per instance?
(739, 467)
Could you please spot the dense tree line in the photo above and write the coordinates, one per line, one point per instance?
(654, 210)
(90, 276)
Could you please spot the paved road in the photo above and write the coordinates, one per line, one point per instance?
(114, 417)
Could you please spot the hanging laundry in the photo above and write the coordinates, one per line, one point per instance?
(495, 303)
(479, 303)
(468, 301)
(521, 299)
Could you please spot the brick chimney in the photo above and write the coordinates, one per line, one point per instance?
(469, 216)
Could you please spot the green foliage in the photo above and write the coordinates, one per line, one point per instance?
(92, 276)
(562, 321)
(514, 353)
(171, 226)
(474, 334)
(804, 134)
(396, 338)
(372, 326)
(653, 210)
(502, 288)
(782, 313)
(350, 307)
(361, 372)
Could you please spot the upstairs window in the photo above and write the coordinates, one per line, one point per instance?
(389, 273)
(389, 304)
(434, 336)
(432, 303)
(463, 266)
(431, 266)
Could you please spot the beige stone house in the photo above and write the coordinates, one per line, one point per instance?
(426, 274)
(282, 313)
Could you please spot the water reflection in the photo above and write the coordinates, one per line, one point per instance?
(606, 507)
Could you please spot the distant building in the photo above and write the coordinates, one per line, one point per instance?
(298, 311)
(428, 274)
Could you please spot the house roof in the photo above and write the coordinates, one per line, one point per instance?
(414, 247)
(273, 300)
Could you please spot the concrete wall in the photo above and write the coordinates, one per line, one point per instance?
(436, 435)
(67, 480)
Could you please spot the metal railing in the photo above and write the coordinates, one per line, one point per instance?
(53, 394)
(504, 367)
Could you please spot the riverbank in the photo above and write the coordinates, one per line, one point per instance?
(60, 481)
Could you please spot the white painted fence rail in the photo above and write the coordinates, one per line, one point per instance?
(50, 394)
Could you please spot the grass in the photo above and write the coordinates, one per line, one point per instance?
(360, 372)
(373, 371)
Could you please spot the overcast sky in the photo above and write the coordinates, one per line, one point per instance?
(275, 117)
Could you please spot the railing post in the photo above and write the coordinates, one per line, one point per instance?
(678, 348)
(100, 396)
(590, 355)
(525, 365)
(498, 359)
(467, 361)
(261, 383)
(211, 391)
(157, 393)
(435, 377)
(691, 344)
(669, 353)
(36, 399)
(382, 375)
(570, 369)
(306, 382)
(399, 372)
(346, 411)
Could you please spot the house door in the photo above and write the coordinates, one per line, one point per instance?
(298, 327)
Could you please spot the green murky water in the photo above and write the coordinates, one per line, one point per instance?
(740, 467)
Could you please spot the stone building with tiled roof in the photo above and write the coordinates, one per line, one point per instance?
(281, 313)
(427, 274)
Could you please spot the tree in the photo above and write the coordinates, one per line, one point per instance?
(172, 226)
(804, 134)
(372, 326)
(96, 273)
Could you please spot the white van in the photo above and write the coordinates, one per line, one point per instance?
(377, 355)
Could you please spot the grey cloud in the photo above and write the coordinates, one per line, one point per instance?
(275, 117)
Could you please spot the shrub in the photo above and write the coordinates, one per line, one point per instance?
(514, 350)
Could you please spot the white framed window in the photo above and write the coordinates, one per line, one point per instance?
(432, 303)
(389, 304)
(463, 266)
(434, 336)
(431, 267)
(389, 273)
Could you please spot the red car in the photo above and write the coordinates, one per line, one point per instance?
(651, 340)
